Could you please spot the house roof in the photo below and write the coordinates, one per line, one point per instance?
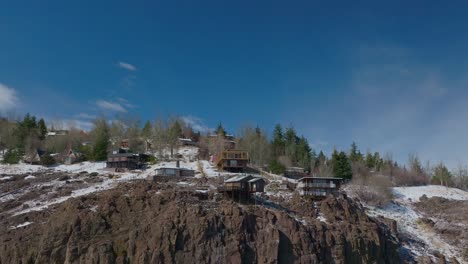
(122, 155)
(321, 178)
(173, 168)
(239, 178)
(256, 179)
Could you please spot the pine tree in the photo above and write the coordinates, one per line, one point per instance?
(354, 154)
(341, 165)
(220, 130)
(370, 163)
(147, 130)
(175, 131)
(101, 144)
(42, 129)
(278, 142)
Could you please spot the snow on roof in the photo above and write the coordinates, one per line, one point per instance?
(172, 168)
(256, 179)
(237, 178)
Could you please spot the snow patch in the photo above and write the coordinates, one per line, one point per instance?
(21, 225)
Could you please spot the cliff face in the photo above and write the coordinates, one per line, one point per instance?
(142, 223)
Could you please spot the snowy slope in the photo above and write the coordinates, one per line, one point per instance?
(405, 213)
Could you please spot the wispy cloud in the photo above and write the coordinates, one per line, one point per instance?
(111, 106)
(126, 66)
(196, 123)
(8, 99)
(404, 106)
(66, 123)
(125, 102)
(86, 116)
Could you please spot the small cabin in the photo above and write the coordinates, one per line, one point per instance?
(175, 172)
(70, 156)
(257, 185)
(318, 187)
(34, 156)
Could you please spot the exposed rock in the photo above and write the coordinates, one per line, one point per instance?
(156, 223)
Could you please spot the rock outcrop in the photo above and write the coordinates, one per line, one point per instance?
(145, 223)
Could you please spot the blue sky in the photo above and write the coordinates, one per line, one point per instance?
(390, 76)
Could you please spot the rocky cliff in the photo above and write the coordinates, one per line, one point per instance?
(159, 223)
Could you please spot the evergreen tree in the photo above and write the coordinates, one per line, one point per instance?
(370, 163)
(341, 165)
(175, 131)
(101, 144)
(304, 157)
(354, 154)
(415, 164)
(378, 161)
(278, 142)
(26, 129)
(147, 130)
(42, 129)
(220, 130)
(322, 159)
(291, 144)
(442, 175)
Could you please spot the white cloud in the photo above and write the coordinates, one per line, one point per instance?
(196, 123)
(69, 123)
(112, 106)
(403, 106)
(86, 116)
(8, 99)
(126, 66)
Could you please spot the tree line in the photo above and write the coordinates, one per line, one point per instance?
(283, 149)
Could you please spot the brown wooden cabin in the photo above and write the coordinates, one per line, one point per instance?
(129, 161)
(242, 186)
(175, 172)
(232, 160)
(318, 187)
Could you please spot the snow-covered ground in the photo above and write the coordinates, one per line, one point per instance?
(109, 179)
(21, 168)
(403, 211)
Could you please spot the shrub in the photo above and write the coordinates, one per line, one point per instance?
(12, 156)
(374, 189)
(276, 167)
(47, 160)
(152, 160)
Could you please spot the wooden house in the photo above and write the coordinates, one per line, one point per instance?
(175, 172)
(121, 161)
(232, 160)
(242, 186)
(318, 187)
